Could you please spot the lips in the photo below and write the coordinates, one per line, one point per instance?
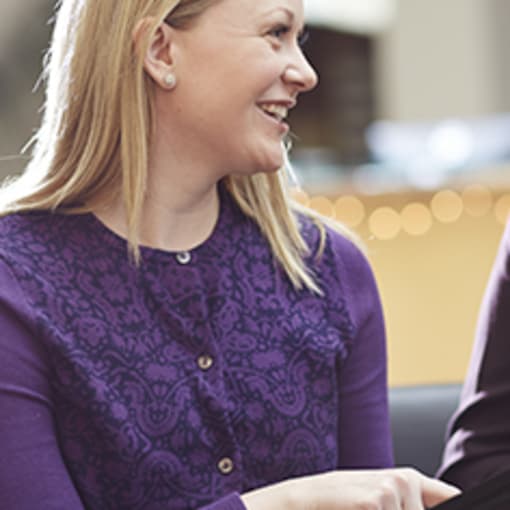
(277, 111)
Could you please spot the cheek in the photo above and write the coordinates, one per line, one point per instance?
(254, 74)
(267, 74)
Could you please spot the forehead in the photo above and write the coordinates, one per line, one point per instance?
(256, 9)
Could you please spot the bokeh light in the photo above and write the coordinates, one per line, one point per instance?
(447, 206)
(323, 206)
(477, 200)
(502, 208)
(385, 223)
(350, 211)
(416, 219)
(300, 196)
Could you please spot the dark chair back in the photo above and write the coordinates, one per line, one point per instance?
(419, 416)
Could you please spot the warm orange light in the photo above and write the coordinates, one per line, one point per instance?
(502, 209)
(447, 206)
(300, 196)
(416, 219)
(385, 223)
(477, 200)
(350, 211)
(323, 206)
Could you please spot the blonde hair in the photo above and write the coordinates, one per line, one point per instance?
(94, 137)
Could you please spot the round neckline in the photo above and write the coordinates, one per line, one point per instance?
(119, 242)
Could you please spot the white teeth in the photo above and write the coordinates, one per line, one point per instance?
(276, 110)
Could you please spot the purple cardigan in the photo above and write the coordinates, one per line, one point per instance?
(187, 381)
(478, 444)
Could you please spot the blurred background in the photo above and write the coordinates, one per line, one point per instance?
(406, 141)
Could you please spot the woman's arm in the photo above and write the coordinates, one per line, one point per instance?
(32, 472)
(364, 439)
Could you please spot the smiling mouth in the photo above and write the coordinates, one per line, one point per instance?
(276, 111)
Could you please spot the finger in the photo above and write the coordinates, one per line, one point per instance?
(390, 497)
(413, 502)
(436, 491)
(412, 497)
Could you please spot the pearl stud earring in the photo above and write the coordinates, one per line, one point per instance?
(170, 80)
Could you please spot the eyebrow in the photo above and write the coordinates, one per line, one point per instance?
(289, 13)
(292, 17)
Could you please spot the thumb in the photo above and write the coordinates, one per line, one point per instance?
(434, 491)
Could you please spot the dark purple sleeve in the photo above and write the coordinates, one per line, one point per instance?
(478, 444)
(32, 473)
(364, 427)
(231, 502)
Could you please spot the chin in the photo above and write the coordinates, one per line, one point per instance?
(269, 169)
(273, 162)
(260, 169)
(265, 160)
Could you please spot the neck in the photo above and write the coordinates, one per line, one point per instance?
(166, 225)
(179, 212)
(181, 205)
(181, 222)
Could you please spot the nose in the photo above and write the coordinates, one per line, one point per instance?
(300, 74)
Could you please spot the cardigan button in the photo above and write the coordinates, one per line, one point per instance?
(184, 257)
(226, 466)
(205, 362)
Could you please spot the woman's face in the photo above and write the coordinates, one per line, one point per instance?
(240, 69)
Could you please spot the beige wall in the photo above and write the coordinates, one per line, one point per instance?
(431, 287)
(442, 58)
(501, 51)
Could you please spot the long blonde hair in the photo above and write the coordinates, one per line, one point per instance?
(98, 119)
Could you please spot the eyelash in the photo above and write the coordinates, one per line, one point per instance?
(280, 31)
(303, 38)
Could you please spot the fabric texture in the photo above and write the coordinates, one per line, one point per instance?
(184, 382)
(478, 445)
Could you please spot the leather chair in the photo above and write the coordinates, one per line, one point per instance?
(419, 417)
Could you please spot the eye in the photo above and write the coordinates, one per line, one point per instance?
(279, 31)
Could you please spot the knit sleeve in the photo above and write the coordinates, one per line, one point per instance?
(32, 472)
(364, 439)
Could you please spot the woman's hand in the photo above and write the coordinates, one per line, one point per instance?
(385, 489)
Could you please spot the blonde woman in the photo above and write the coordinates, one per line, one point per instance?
(174, 332)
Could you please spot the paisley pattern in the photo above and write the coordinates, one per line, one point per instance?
(140, 423)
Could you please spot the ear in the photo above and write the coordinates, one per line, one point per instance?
(158, 61)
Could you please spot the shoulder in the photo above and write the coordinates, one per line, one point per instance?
(24, 231)
(34, 237)
(23, 248)
(339, 250)
(343, 270)
(15, 222)
(17, 249)
(35, 245)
